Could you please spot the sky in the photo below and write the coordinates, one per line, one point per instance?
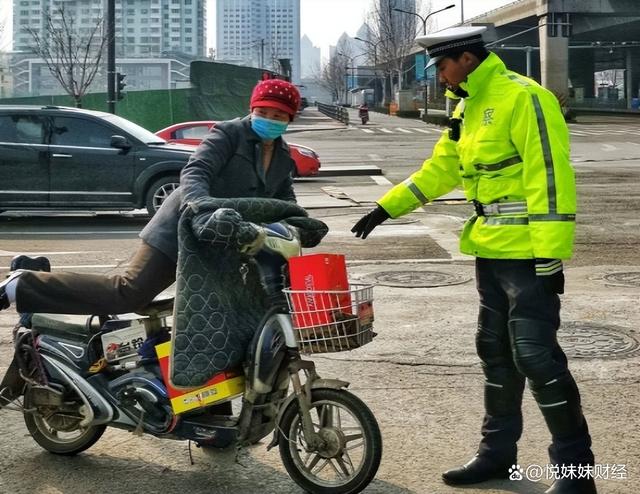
(323, 21)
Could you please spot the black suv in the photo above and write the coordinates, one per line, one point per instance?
(55, 157)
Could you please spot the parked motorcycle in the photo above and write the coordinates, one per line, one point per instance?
(84, 374)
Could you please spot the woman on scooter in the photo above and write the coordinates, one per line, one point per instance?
(244, 157)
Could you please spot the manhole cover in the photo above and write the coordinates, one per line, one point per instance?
(589, 340)
(415, 279)
(623, 279)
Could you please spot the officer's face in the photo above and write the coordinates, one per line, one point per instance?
(452, 72)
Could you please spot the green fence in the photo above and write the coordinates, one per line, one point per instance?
(219, 92)
(152, 110)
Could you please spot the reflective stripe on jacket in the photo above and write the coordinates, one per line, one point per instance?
(513, 147)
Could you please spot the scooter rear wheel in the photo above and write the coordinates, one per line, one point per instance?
(351, 455)
(58, 433)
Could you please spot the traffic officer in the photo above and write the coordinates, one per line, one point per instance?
(508, 146)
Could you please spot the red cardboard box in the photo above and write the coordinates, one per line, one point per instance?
(313, 274)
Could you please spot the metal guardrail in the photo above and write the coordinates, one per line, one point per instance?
(336, 112)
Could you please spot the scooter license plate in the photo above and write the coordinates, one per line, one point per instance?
(123, 343)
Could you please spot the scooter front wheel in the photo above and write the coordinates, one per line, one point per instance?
(352, 445)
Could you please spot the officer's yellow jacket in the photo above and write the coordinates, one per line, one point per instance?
(513, 149)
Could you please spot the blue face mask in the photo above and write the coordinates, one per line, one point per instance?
(268, 129)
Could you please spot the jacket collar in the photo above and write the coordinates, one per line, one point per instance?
(476, 79)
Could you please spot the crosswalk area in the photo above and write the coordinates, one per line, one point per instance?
(575, 130)
(578, 130)
(434, 131)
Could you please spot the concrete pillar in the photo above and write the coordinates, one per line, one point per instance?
(554, 56)
(628, 79)
(581, 69)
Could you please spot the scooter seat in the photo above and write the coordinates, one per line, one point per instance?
(69, 325)
(162, 303)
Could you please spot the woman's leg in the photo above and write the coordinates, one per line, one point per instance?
(149, 272)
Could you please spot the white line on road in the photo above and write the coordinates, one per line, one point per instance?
(368, 131)
(424, 131)
(386, 131)
(608, 147)
(380, 180)
(375, 157)
(399, 129)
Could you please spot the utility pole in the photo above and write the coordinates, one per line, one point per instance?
(424, 32)
(111, 56)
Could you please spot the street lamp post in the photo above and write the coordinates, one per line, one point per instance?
(375, 65)
(424, 32)
(346, 88)
(111, 56)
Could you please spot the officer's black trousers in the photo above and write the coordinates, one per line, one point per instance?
(516, 340)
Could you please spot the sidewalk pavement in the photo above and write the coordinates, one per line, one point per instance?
(383, 119)
(310, 119)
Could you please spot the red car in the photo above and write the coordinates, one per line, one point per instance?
(307, 160)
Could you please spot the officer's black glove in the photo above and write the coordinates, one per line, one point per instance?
(369, 221)
(549, 271)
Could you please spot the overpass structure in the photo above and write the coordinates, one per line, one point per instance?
(563, 43)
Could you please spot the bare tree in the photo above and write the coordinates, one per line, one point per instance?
(333, 78)
(392, 35)
(73, 55)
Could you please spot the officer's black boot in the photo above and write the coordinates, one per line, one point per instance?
(559, 401)
(502, 424)
(478, 469)
(501, 430)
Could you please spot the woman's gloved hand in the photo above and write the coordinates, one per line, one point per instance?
(369, 221)
(252, 247)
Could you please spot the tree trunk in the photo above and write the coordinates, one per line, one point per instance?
(385, 100)
(78, 101)
(391, 95)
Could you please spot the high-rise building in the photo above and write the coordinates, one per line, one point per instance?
(144, 28)
(260, 33)
(310, 58)
(155, 41)
(397, 21)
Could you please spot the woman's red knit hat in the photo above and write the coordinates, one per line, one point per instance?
(276, 93)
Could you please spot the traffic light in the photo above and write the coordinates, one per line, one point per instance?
(120, 85)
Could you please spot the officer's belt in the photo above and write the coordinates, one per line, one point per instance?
(499, 208)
